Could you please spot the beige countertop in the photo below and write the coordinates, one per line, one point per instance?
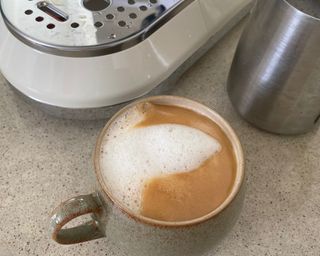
(44, 161)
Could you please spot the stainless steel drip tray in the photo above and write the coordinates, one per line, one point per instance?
(87, 27)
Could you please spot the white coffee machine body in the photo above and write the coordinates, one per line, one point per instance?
(66, 64)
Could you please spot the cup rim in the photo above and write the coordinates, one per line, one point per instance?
(201, 109)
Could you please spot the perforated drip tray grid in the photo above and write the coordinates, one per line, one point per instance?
(78, 23)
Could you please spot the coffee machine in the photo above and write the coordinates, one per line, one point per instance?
(72, 57)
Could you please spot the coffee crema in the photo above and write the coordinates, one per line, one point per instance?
(167, 163)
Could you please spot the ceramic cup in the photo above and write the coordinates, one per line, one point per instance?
(137, 235)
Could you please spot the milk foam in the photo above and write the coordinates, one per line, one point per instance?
(132, 155)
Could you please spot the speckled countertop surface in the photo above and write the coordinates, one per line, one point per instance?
(44, 161)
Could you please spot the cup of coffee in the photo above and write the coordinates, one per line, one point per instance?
(170, 181)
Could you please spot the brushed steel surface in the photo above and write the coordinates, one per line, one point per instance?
(274, 81)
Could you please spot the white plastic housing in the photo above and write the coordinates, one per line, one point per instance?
(107, 80)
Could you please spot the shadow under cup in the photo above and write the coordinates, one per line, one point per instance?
(135, 234)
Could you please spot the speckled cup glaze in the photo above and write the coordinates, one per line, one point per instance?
(137, 235)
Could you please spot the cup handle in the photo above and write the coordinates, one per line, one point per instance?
(72, 209)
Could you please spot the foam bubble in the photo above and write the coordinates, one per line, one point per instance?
(133, 155)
